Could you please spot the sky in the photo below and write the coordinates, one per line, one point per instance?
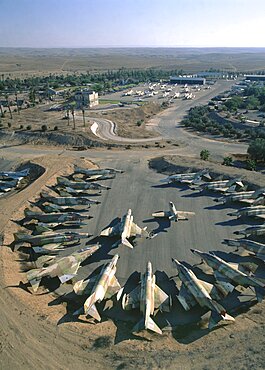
(132, 23)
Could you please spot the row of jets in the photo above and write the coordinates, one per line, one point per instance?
(147, 296)
(10, 180)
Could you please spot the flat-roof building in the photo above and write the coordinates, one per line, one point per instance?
(86, 98)
(187, 80)
(255, 77)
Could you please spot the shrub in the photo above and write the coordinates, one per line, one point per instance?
(227, 161)
(205, 154)
(28, 127)
(251, 164)
(21, 127)
(55, 128)
(44, 128)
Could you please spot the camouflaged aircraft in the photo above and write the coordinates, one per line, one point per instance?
(223, 186)
(101, 286)
(64, 268)
(80, 185)
(49, 237)
(173, 214)
(228, 275)
(196, 291)
(255, 211)
(256, 230)
(54, 225)
(249, 197)
(257, 248)
(68, 201)
(15, 175)
(189, 176)
(53, 208)
(97, 171)
(65, 191)
(126, 228)
(148, 297)
(54, 217)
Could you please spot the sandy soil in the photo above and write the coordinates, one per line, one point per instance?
(30, 337)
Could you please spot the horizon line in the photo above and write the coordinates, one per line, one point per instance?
(133, 47)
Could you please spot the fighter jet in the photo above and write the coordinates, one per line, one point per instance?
(65, 268)
(54, 217)
(148, 297)
(223, 186)
(81, 185)
(18, 175)
(257, 248)
(256, 211)
(126, 228)
(249, 197)
(186, 176)
(97, 171)
(68, 201)
(252, 230)
(173, 214)
(65, 191)
(229, 275)
(194, 290)
(53, 208)
(103, 285)
(49, 237)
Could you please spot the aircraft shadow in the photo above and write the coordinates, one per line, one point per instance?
(163, 224)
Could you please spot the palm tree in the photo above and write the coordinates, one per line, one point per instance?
(73, 114)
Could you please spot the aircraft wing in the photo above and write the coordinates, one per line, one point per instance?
(136, 230)
(211, 289)
(132, 300)
(161, 214)
(113, 288)
(114, 230)
(185, 298)
(262, 216)
(223, 283)
(71, 272)
(182, 215)
(160, 297)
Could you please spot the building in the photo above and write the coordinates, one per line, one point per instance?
(86, 98)
(255, 78)
(187, 80)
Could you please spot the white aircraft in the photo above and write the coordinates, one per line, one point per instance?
(173, 214)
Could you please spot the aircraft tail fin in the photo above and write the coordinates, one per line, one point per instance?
(147, 323)
(33, 279)
(218, 314)
(20, 236)
(28, 212)
(90, 308)
(41, 229)
(260, 293)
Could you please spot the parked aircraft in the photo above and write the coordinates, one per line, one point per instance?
(65, 268)
(257, 248)
(186, 176)
(97, 171)
(126, 228)
(81, 185)
(49, 237)
(256, 230)
(101, 286)
(224, 186)
(68, 201)
(54, 217)
(249, 197)
(255, 211)
(195, 291)
(148, 297)
(173, 214)
(228, 275)
(16, 175)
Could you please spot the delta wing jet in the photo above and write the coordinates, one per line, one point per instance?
(173, 214)
(224, 186)
(185, 176)
(255, 211)
(97, 171)
(257, 248)
(99, 287)
(228, 275)
(256, 230)
(54, 217)
(65, 268)
(68, 201)
(80, 185)
(195, 291)
(148, 297)
(65, 191)
(249, 197)
(53, 208)
(126, 228)
(17, 175)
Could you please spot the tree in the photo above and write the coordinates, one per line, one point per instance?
(227, 161)
(205, 154)
(251, 164)
(256, 150)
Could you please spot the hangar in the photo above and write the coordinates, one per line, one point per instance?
(255, 77)
(187, 80)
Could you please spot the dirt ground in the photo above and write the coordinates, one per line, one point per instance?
(31, 338)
